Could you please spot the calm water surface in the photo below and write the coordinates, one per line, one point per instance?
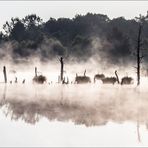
(73, 115)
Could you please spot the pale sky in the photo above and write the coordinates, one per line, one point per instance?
(56, 9)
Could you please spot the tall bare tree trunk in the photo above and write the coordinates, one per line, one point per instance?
(35, 71)
(85, 72)
(5, 74)
(62, 69)
(138, 54)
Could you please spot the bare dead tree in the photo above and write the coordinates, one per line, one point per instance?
(5, 74)
(62, 69)
(139, 55)
(35, 71)
(85, 72)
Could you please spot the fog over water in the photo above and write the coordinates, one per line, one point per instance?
(89, 104)
(84, 107)
(64, 113)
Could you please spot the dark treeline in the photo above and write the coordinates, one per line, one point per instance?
(84, 36)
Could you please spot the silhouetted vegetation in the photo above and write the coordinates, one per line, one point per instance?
(127, 80)
(99, 77)
(82, 79)
(39, 79)
(80, 37)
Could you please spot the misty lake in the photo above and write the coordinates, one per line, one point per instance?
(73, 73)
(73, 115)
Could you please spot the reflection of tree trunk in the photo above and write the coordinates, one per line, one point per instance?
(35, 92)
(3, 99)
(138, 117)
(138, 131)
(4, 93)
(61, 94)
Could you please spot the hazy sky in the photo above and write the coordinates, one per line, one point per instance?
(56, 9)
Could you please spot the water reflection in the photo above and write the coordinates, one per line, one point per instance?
(94, 106)
(61, 110)
(89, 105)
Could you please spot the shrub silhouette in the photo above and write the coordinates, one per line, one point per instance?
(39, 79)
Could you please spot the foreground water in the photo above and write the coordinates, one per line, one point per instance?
(73, 115)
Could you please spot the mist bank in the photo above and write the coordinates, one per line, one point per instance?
(80, 39)
(51, 69)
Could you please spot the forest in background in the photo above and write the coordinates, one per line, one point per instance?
(78, 39)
